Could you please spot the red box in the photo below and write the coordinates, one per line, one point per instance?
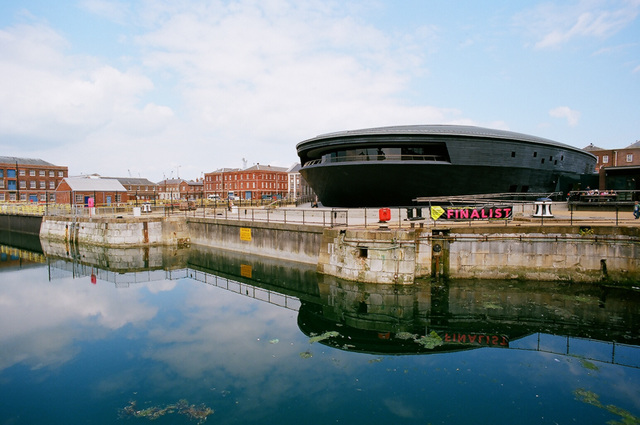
(384, 214)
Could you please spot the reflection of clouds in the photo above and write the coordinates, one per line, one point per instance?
(223, 338)
(400, 408)
(39, 320)
(160, 286)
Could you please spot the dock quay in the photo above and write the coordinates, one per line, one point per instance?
(569, 245)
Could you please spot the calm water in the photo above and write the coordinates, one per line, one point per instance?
(107, 337)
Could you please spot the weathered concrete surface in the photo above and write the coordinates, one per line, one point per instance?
(558, 253)
(288, 241)
(386, 256)
(116, 232)
(389, 256)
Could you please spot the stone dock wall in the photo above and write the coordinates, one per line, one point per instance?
(116, 232)
(398, 256)
(554, 253)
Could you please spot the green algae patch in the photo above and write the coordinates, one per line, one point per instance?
(406, 335)
(588, 365)
(306, 355)
(198, 413)
(430, 341)
(326, 335)
(589, 397)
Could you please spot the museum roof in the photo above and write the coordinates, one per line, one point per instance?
(436, 130)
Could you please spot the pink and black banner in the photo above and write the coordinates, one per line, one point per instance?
(501, 212)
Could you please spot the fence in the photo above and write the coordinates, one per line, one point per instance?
(279, 212)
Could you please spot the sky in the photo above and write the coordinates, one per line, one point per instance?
(164, 89)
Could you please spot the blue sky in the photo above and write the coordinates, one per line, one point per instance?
(161, 88)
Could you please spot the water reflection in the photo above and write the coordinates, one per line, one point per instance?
(259, 339)
(375, 318)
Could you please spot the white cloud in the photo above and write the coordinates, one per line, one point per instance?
(571, 116)
(556, 24)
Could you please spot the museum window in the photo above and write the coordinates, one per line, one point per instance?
(11, 173)
(535, 154)
(32, 173)
(32, 184)
(513, 154)
(1, 172)
(22, 173)
(629, 157)
(605, 159)
(41, 173)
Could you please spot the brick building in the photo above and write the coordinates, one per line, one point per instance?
(78, 190)
(29, 180)
(192, 190)
(256, 182)
(169, 189)
(138, 189)
(619, 169)
(624, 157)
(298, 188)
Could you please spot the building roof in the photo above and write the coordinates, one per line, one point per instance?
(87, 184)
(24, 161)
(592, 147)
(635, 145)
(170, 181)
(133, 181)
(295, 168)
(259, 167)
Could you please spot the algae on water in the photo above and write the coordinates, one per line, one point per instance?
(589, 397)
(430, 341)
(182, 407)
(326, 335)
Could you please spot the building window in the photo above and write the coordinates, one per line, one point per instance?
(79, 198)
(1, 196)
(11, 173)
(41, 173)
(32, 173)
(23, 184)
(52, 184)
(1, 172)
(32, 184)
(22, 173)
(605, 159)
(60, 174)
(43, 184)
(52, 174)
(1, 184)
(629, 157)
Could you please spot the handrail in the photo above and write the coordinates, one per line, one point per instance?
(377, 158)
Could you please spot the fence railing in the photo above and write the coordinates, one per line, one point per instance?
(279, 212)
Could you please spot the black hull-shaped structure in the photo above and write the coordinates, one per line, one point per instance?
(393, 166)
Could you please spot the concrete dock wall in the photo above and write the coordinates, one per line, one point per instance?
(116, 232)
(388, 256)
(278, 240)
(555, 253)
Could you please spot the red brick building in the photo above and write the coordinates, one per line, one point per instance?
(624, 157)
(29, 180)
(257, 182)
(191, 190)
(78, 190)
(619, 169)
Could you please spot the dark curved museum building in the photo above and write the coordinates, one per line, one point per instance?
(392, 166)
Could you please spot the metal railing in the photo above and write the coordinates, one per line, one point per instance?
(282, 212)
